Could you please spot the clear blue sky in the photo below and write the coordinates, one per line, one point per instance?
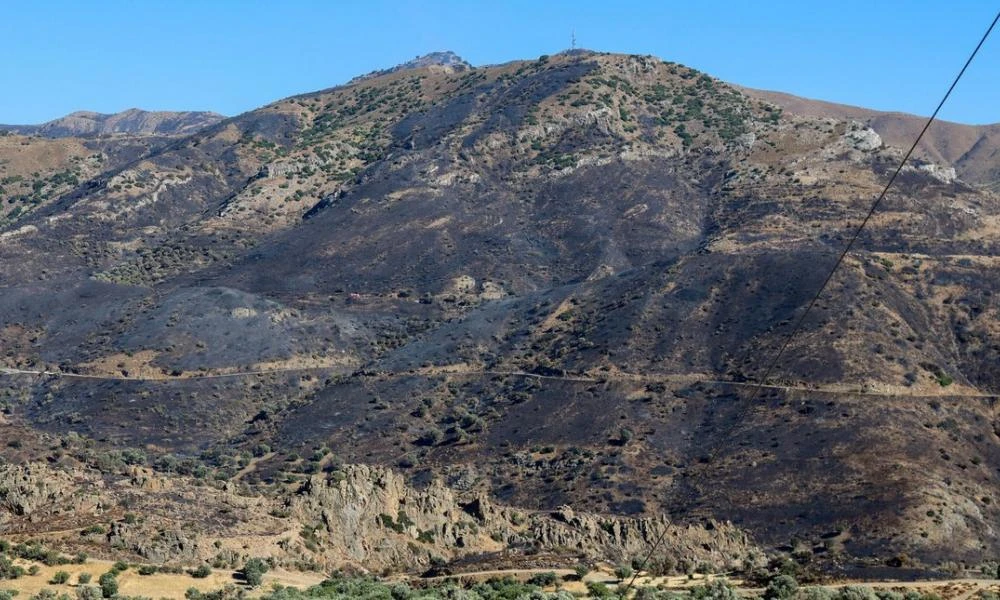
(232, 56)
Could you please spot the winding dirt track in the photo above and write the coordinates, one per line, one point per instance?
(464, 371)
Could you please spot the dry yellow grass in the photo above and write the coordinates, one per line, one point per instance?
(160, 585)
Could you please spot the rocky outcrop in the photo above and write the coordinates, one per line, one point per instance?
(29, 489)
(166, 545)
(864, 139)
(370, 518)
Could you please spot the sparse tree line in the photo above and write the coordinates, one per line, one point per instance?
(107, 586)
(777, 583)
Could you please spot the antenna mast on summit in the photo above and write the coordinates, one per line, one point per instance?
(572, 40)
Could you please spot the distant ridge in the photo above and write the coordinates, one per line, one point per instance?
(129, 122)
(446, 59)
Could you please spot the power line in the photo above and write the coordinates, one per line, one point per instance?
(840, 259)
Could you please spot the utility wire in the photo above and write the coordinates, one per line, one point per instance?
(840, 259)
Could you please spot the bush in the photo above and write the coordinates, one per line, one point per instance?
(253, 571)
(596, 589)
(109, 584)
(623, 572)
(781, 587)
(8, 570)
(33, 570)
(855, 592)
(83, 578)
(201, 572)
(59, 578)
(148, 570)
(88, 592)
(817, 593)
(717, 589)
(543, 579)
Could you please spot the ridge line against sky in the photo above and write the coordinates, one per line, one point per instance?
(230, 56)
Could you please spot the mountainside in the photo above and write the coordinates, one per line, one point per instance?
(128, 122)
(973, 150)
(544, 283)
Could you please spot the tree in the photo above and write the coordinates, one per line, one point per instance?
(253, 571)
(109, 584)
(781, 587)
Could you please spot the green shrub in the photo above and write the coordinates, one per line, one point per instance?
(59, 578)
(596, 589)
(623, 572)
(543, 579)
(253, 571)
(717, 589)
(855, 592)
(83, 578)
(816, 593)
(89, 592)
(201, 572)
(781, 587)
(109, 584)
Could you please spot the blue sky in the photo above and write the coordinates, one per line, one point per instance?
(232, 56)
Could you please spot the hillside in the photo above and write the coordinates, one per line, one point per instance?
(972, 149)
(540, 284)
(129, 122)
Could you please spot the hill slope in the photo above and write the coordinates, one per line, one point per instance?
(128, 122)
(547, 282)
(971, 149)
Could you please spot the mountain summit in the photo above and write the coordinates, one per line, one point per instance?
(447, 59)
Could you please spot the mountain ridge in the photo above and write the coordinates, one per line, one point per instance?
(132, 121)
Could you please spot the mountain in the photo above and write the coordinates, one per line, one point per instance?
(544, 284)
(128, 122)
